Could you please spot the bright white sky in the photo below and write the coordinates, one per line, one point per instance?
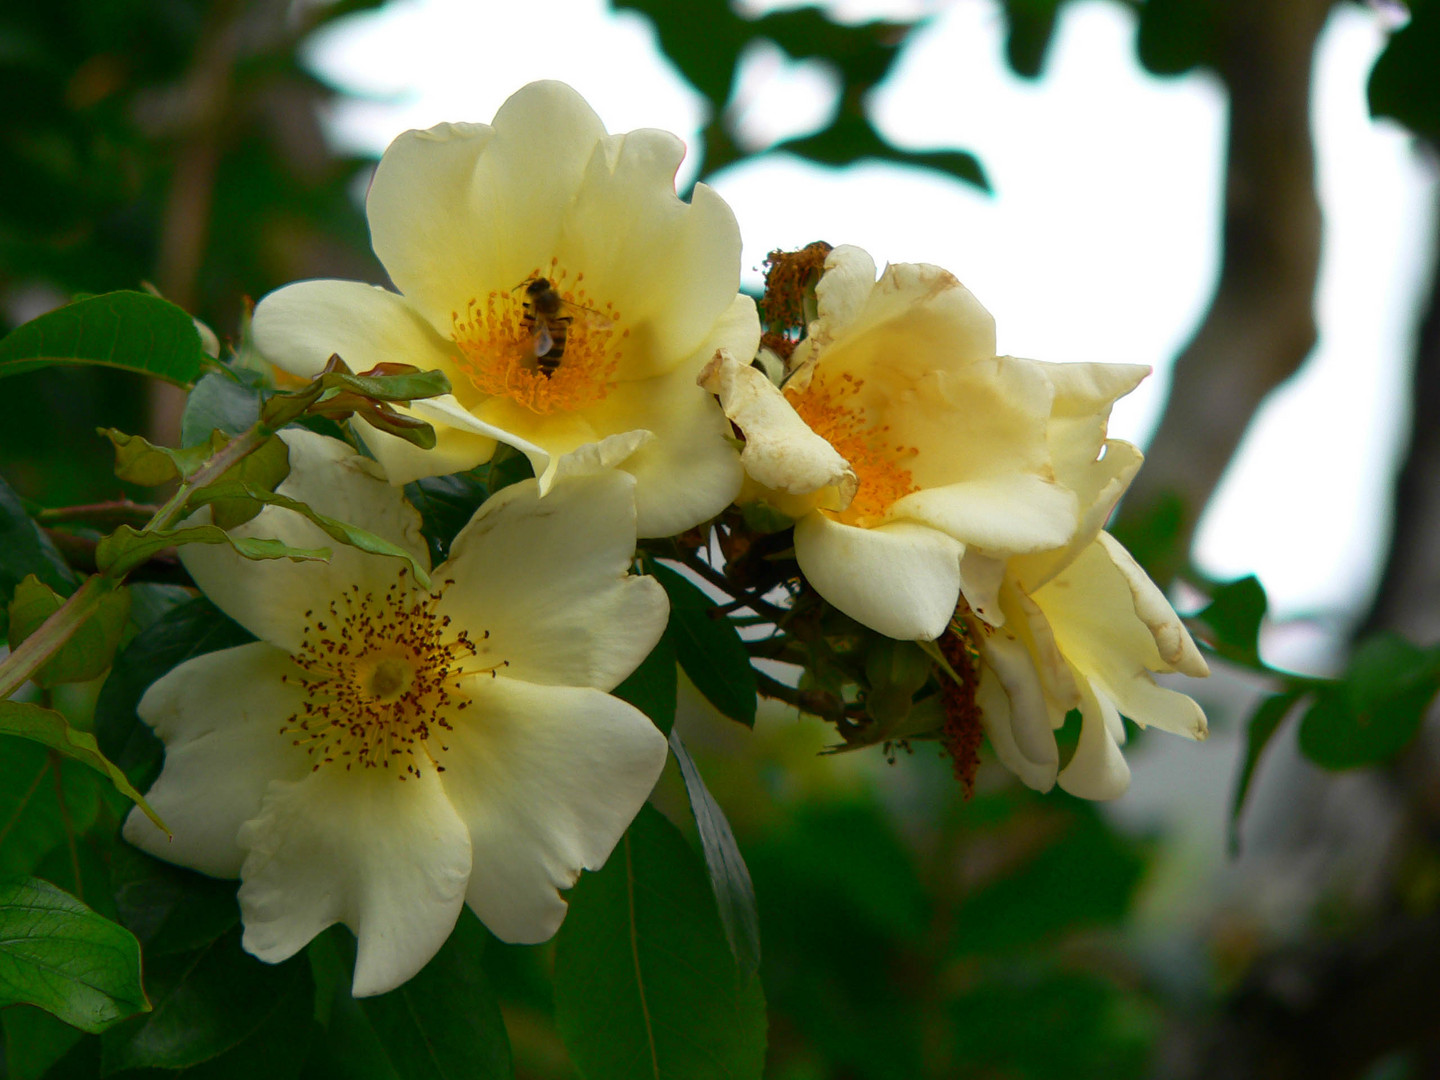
(1100, 242)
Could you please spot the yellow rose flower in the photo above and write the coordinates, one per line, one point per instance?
(385, 754)
(914, 459)
(550, 271)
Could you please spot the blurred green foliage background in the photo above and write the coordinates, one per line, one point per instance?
(907, 933)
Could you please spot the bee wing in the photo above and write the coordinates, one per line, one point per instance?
(543, 342)
(585, 316)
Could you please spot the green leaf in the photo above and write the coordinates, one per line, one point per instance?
(168, 908)
(50, 729)
(90, 649)
(1086, 876)
(58, 954)
(403, 386)
(1177, 35)
(709, 649)
(445, 1023)
(653, 686)
(344, 532)
(729, 878)
(34, 1041)
(853, 139)
(218, 403)
(263, 471)
(1370, 714)
(205, 1003)
(446, 505)
(1234, 615)
(46, 799)
(188, 630)
(645, 985)
(1402, 82)
(133, 331)
(125, 548)
(139, 461)
(1031, 27)
(25, 549)
(1264, 722)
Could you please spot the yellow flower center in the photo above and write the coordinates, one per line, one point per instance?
(546, 344)
(832, 411)
(379, 679)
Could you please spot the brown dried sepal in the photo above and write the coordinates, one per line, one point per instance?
(789, 276)
(962, 733)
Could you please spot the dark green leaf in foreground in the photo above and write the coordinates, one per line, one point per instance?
(58, 954)
(1376, 708)
(49, 728)
(34, 1041)
(133, 331)
(645, 985)
(1402, 82)
(218, 403)
(652, 687)
(445, 1023)
(188, 630)
(1233, 617)
(25, 550)
(206, 1002)
(90, 648)
(729, 877)
(708, 647)
(1264, 722)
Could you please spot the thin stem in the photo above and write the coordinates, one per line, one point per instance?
(117, 512)
(53, 633)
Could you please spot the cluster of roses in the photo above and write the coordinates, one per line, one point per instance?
(389, 750)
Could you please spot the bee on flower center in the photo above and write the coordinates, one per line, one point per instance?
(547, 320)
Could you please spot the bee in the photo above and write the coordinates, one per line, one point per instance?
(547, 320)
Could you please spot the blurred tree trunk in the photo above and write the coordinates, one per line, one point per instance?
(1261, 323)
(1408, 600)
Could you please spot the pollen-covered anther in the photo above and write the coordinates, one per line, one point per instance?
(380, 679)
(558, 362)
(833, 411)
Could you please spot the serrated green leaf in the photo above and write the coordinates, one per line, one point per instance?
(205, 1003)
(654, 685)
(218, 403)
(709, 649)
(1264, 722)
(645, 985)
(1370, 714)
(89, 650)
(342, 531)
(50, 729)
(59, 955)
(133, 331)
(125, 548)
(729, 877)
(1234, 615)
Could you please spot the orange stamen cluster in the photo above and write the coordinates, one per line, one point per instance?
(962, 733)
(830, 409)
(498, 347)
(379, 679)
